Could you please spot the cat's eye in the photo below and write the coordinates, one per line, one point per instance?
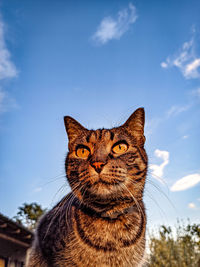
(82, 152)
(120, 148)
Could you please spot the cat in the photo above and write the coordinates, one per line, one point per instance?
(102, 221)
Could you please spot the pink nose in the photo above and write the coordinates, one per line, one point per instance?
(97, 165)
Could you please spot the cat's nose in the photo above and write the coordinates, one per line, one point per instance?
(97, 165)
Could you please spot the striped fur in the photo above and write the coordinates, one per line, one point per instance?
(102, 222)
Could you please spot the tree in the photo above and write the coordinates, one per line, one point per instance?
(29, 214)
(179, 248)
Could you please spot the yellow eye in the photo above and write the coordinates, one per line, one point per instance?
(82, 152)
(120, 148)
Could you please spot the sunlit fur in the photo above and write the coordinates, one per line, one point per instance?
(102, 221)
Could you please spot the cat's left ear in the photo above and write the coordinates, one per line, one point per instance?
(135, 125)
(73, 128)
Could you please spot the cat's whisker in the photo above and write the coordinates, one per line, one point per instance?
(160, 179)
(68, 209)
(58, 191)
(84, 191)
(135, 200)
(54, 179)
(56, 210)
(74, 189)
(162, 213)
(71, 199)
(151, 197)
(161, 191)
(60, 206)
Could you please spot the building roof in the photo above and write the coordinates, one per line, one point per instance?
(15, 232)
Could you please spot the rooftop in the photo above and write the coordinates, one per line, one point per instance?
(15, 232)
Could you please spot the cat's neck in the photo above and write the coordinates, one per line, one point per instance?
(107, 211)
(114, 214)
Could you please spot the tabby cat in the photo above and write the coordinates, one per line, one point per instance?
(102, 222)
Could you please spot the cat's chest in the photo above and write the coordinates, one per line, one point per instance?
(105, 233)
(102, 242)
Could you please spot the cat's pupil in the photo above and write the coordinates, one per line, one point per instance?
(120, 147)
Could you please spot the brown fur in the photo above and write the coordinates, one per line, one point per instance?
(102, 221)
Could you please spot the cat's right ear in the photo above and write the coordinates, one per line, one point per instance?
(73, 128)
(135, 125)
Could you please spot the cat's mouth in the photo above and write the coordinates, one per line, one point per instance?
(106, 178)
(103, 183)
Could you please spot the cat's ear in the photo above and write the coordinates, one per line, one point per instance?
(73, 128)
(135, 125)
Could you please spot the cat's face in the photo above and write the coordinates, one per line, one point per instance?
(107, 165)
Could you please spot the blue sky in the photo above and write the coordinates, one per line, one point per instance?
(98, 61)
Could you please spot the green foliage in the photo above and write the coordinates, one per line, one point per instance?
(28, 214)
(179, 248)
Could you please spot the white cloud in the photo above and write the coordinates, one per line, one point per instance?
(192, 68)
(37, 189)
(111, 28)
(7, 68)
(2, 97)
(164, 65)
(186, 60)
(151, 125)
(186, 182)
(185, 136)
(191, 205)
(196, 92)
(6, 101)
(175, 110)
(158, 170)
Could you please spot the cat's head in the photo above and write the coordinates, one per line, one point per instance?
(107, 165)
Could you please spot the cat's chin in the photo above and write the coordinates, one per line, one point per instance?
(104, 180)
(101, 191)
(97, 201)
